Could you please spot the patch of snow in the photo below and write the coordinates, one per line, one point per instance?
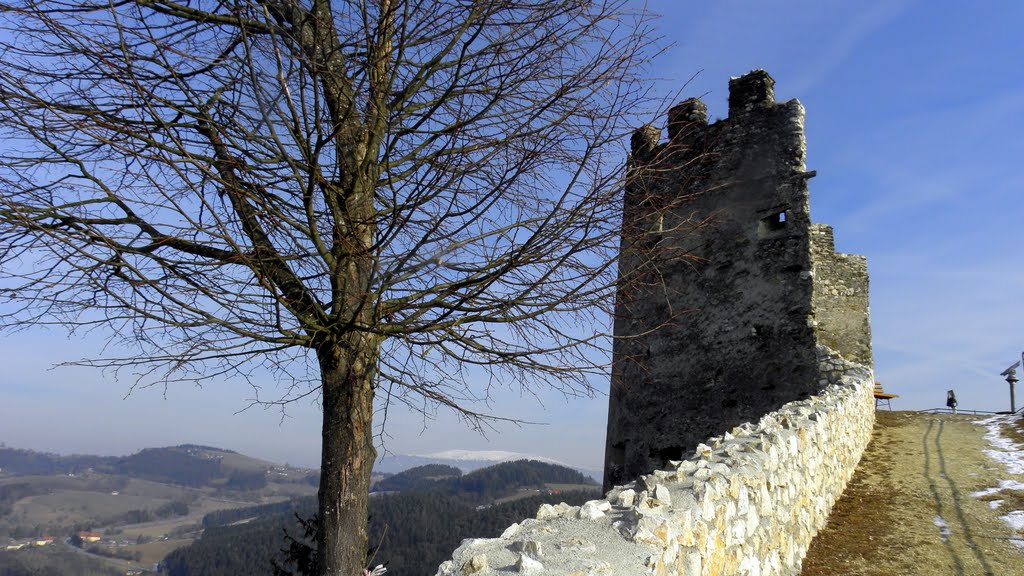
(1010, 460)
(489, 455)
(1011, 456)
(1015, 519)
(1003, 485)
(1006, 452)
(944, 531)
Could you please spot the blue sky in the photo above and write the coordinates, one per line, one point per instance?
(915, 115)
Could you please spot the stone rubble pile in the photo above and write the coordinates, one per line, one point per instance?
(747, 503)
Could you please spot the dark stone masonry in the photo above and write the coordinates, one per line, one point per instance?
(727, 287)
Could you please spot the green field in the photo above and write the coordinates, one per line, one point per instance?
(153, 552)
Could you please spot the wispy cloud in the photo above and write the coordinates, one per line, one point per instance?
(906, 172)
(829, 58)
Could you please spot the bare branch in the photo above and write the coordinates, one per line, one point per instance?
(417, 196)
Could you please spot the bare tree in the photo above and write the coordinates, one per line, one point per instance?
(378, 194)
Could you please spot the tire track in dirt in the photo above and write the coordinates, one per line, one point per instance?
(939, 520)
(908, 509)
(963, 529)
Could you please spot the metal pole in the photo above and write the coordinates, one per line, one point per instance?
(1012, 405)
(1012, 379)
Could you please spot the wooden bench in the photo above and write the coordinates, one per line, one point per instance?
(882, 395)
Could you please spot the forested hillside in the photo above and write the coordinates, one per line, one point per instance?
(231, 515)
(484, 485)
(30, 462)
(417, 517)
(412, 532)
(418, 478)
(175, 466)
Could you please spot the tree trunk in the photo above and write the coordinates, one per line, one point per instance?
(347, 373)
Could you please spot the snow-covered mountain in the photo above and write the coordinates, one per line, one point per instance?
(467, 461)
(491, 456)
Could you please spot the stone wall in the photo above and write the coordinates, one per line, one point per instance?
(746, 503)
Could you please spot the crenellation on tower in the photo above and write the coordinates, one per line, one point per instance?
(644, 141)
(727, 286)
(687, 117)
(753, 90)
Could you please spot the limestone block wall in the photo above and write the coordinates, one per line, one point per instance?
(746, 503)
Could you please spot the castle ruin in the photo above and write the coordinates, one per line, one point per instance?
(728, 291)
(741, 396)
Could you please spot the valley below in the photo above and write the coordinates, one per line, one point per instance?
(190, 510)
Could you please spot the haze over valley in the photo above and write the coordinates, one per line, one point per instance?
(115, 514)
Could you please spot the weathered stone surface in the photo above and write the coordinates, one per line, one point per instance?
(476, 564)
(627, 497)
(527, 565)
(530, 548)
(661, 494)
(510, 531)
(546, 511)
(716, 223)
(593, 509)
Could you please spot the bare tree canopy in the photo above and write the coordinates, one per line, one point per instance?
(379, 193)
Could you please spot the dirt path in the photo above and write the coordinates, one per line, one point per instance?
(909, 508)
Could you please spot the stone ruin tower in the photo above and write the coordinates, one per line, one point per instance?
(726, 288)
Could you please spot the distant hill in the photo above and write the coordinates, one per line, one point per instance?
(483, 485)
(419, 478)
(466, 460)
(185, 465)
(176, 465)
(29, 462)
(303, 506)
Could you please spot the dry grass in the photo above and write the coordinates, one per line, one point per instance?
(571, 487)
(158, 491)
(158, 528)
(153, 552)
(74, 506)
(909, 511)
(862, 519)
